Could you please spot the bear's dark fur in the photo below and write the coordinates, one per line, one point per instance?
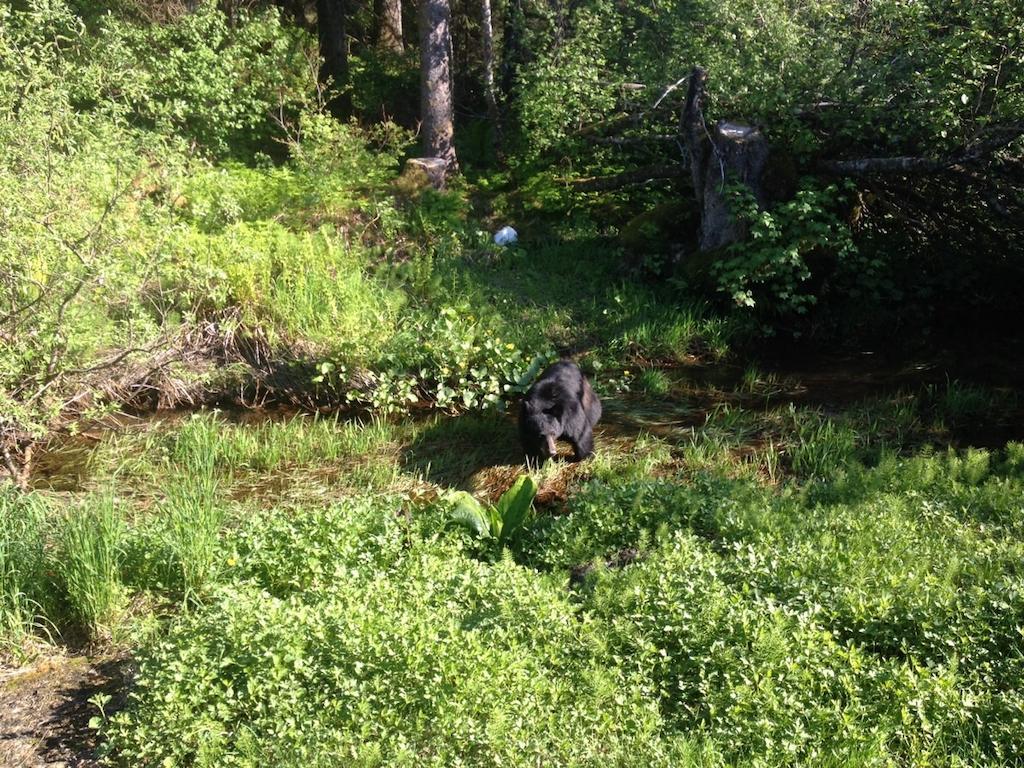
(561, 405)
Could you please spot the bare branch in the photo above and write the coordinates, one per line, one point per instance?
(669, 90)
(630, 178)
(626, 141)
(1001, 137)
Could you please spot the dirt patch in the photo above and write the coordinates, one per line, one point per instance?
(45, 710)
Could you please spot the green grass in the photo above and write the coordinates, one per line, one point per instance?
(23, 567)
(653, 382)
(90, 541)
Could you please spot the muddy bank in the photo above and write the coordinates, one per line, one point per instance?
(45, 710)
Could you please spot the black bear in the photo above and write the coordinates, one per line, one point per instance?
(561, 405)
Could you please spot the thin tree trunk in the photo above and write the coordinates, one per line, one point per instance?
(489, 94)
(436, 82)
(389, 35)
(330, 21)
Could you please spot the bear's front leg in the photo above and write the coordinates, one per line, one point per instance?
(583, 446)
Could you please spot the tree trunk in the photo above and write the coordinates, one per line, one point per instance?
(739, 154)
(436, 82)
(487, 31)
(389, 34)
(730, 153)
(330, 22)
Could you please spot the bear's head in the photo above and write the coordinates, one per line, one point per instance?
(542, 426)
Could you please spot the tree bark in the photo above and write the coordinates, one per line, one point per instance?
(487, 32)
(436, 98)
(389, 33)
(330, 22)
(695, 132)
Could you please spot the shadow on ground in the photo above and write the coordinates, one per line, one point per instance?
(45, 710)
(477, 452)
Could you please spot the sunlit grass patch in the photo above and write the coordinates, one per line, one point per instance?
(90, 540)
(24, 578)
(280, 454)
(299, 285)
(653, 382)
(820, 446)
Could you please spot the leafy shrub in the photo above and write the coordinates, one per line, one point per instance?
(771, 684)
(772, 265)
(380, 652)
(610, 515)
(203, 79)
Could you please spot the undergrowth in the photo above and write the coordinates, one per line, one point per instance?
(675, 608)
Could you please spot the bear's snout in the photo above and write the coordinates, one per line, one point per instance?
(552, 448)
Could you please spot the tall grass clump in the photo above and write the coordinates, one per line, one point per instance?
(90, 542)
(821, 446)
(956, 403)
(191, 519)
(654, 382)
(25, 588)
(297, 285)
(191, 514)
(651, 328)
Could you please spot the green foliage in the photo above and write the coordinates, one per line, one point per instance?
(566, 79)
(654, 382)
(872, 612)
(821, 446)
(383, 83)
(367, 159)
(597, 88)
(771, 267)
(382, 651)
(894, 76)
(867, 618)
(118, 239)
(91, 541)
(201, 78)
(308, 284)
(500, 521)
(957, 403)
(24, 583)
(310, 606)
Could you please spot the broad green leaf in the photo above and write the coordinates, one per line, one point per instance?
(467, 511)
(514, 504)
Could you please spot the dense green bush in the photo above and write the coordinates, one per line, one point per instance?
(204, 79)
(381, 649)
(817, 75)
